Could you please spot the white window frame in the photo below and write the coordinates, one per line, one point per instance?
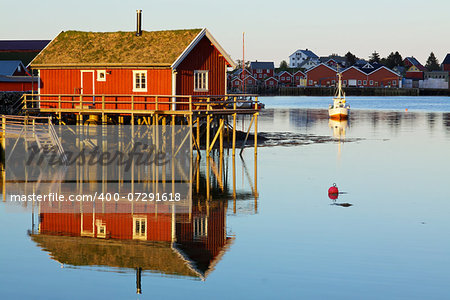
(394, 82)
(200, 227)
(201, 80)
(99, 229)
(364, 82)
(140, 234)
(359, 82)
(99, 73)
(371, 82)
(140, 88)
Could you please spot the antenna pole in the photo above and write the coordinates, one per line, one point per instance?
(243, 62)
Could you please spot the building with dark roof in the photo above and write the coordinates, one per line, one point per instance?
(414, 69)
(23, 50)
(262, 70)
(446, 63)
(14, 77)
(299, 56)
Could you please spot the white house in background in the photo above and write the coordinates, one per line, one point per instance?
(299, 56)
(308, 64)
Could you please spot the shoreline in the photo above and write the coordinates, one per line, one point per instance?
(349, 91)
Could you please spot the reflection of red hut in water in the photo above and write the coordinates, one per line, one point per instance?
(174, 244)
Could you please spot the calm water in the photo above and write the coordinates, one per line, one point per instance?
(290, 241)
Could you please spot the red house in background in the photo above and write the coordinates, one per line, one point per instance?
(261, 70)
(15, 78)
(271, 82)
(299, 78)
(172, 62)
(285, 78)
(384, 77)
(446, 63)
(236, 82)
(321, 75)
(242, 74)
(414, 69)
(353, 76)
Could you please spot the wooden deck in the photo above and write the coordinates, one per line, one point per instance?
(154, 110)
(140, 105)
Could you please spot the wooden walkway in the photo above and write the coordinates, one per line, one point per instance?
(152, 109)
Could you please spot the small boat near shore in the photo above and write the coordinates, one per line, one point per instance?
(339, 110)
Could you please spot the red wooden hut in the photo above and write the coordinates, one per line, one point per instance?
(384, 77)
(168, 243)
(321, 75)
(172, 62)
(354, 77)
(271, 82)
(299, 78)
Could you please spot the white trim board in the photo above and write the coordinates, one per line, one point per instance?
(194, 43)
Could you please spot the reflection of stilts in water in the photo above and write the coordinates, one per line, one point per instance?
(339, 128)
(198, 225)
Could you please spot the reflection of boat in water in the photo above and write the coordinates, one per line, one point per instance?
(339, 127)
(339, 110)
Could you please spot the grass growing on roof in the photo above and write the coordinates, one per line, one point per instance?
(153, 47)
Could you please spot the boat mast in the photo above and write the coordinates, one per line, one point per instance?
(339, 86)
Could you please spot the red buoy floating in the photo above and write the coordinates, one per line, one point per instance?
(333, 192)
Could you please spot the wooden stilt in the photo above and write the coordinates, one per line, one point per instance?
(208, 133)
(256, 133)
(222, 122)
(198, 133)
(234, 184)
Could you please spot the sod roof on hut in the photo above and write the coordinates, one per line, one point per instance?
(80, 251)
(78, 48)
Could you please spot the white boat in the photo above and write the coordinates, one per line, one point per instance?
(339, 110)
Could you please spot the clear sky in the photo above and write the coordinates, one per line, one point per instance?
(273, 29)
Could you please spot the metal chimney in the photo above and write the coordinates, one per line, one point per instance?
(139, 23)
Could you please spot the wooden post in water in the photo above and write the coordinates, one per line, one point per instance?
(222, 122)
(234, 128)
(234, 184)
(256, 126)
(208, 133)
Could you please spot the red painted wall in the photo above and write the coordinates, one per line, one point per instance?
(384, 77)
(263, 73)
(414, 75)
(274, 82)
(203, 57)
(118, 226)
(320, 76)
(353, 74)
(17, 86)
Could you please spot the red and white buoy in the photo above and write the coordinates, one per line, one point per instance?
(333, 192)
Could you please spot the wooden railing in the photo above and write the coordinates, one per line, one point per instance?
(130, 103)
